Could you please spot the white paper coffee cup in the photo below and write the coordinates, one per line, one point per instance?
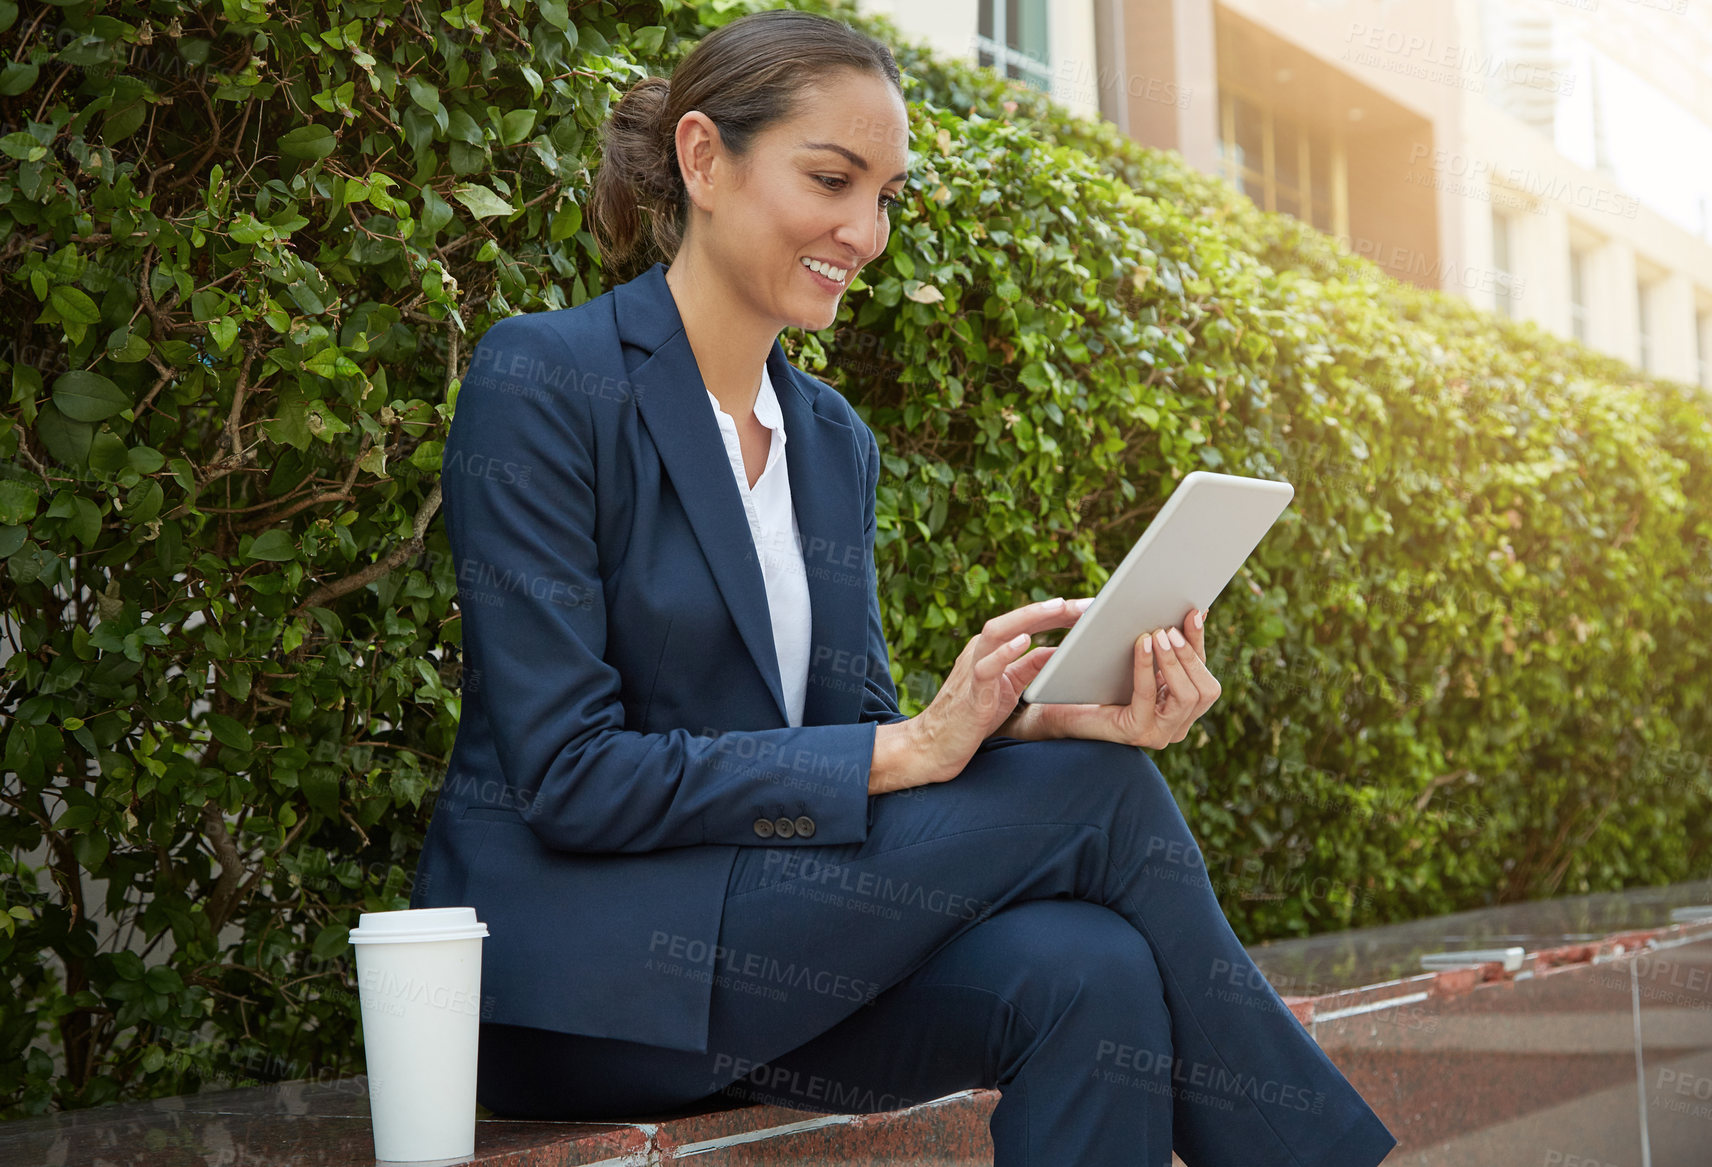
(419, 983)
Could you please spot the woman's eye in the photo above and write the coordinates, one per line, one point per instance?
(833, 182)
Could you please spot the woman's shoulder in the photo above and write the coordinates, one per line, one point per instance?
(543, 367)
(591, 320)
(828, 401)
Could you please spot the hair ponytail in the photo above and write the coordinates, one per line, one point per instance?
(744, 76)
(638, 172)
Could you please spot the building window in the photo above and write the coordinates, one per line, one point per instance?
(1644, 320)
(1012, 37)
(1282, 164)
(1578, 295)
(1527, 72)
(1504, 263)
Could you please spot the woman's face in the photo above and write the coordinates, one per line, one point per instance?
(814, 187)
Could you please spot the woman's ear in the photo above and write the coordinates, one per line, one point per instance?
(699, 147)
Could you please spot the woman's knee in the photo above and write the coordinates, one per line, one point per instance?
(1087, 762)
(1123, 776)
(1091, 760)
(1107, 955)
(1067, 949)
(1081, 978)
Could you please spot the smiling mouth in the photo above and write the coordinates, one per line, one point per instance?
(836, 275)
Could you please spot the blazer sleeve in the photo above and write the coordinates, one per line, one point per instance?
(879, 695)
(518, 486)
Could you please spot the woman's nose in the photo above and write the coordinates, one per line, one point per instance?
(861, 237)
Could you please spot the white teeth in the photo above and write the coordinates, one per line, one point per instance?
(826, 269)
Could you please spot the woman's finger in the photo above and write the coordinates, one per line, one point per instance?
(992, 665)
(1146, 687)
(1172, 671)
(1206, 685)
(1196, 634)
(1029, 618)
(1183, 691)
(1024, 668)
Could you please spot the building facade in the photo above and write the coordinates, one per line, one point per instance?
(1550, 160)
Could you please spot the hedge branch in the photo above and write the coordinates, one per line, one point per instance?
(167, 373)
(235, 419)
(285, 845)
(213, 473)
(403, 553)
(343, 494)
(198, 170)
(411, 547)
(225, 895)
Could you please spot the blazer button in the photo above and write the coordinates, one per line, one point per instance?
(805, 825)
(764, 828)
(784, 827)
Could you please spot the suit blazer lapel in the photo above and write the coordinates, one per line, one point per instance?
(825, 493)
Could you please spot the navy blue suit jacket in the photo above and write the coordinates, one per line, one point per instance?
(623, 728)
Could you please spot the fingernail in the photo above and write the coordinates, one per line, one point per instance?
(1147, 645)
(1082, 604)
(1177, 638)
(1053, 602)
(1164, 642)
(1200, 617)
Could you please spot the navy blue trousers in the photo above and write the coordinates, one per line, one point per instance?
(1043, 924)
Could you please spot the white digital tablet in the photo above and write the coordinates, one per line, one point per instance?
(1189, 552)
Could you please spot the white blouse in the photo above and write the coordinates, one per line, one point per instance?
(778, 543)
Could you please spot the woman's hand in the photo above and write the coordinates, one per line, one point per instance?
(1172, 689)
(985, 685)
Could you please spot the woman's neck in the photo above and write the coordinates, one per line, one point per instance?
(729, 343)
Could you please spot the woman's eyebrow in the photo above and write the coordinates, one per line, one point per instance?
(860, 162)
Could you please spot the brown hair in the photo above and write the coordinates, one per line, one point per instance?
(744, 76)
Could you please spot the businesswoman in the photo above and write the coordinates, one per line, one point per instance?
(714, 857)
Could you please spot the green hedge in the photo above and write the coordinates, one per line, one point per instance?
(1463, 670)
(245, 262)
